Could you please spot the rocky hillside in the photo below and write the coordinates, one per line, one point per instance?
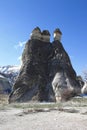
(5, 86)
(10, 72)
(46, 73)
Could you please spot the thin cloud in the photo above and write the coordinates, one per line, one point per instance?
(19, 58)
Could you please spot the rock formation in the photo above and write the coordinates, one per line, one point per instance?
(64, 81)
(57, 34)
(80, 80)
(46, 73)
(5, 86)
(36, 34)
(84, 88)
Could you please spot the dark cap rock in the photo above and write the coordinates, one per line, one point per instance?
(45, 32)
(36, 29)
(57, 30)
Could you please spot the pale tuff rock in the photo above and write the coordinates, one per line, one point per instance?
(36, 34)
(84, 89)
(57, 34)
(62, 87)
(43, 36)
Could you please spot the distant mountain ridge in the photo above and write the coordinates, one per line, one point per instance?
(9, 69)
(10, 72)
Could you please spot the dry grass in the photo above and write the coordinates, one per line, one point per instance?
(74, 103)
(3, 99)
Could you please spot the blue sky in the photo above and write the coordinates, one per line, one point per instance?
(19, 17)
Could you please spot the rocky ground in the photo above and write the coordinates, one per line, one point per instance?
(44, 116)
(53, 120)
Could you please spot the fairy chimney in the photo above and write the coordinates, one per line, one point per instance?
(45, 36)
(57, 34)
(36, 34)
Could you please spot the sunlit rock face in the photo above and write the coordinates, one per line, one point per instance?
(84, 88)
(46, 73)
(57, 35)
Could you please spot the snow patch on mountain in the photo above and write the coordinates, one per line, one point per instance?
(10, 72)
(9, 69)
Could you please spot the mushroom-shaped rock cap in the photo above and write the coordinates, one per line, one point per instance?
(45, 32)
(58, 31)
(36, 29)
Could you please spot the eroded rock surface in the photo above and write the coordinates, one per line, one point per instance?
(46, 73)
(64, 79)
